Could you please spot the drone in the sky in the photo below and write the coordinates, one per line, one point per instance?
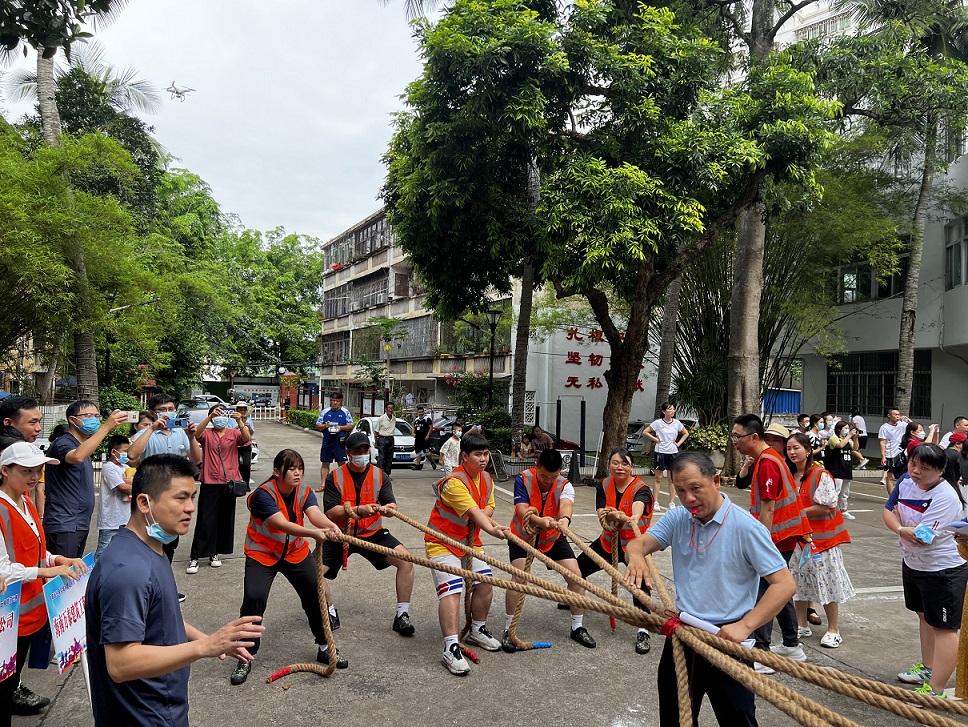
(179, 92)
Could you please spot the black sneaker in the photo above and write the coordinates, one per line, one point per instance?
(402, 625)
(643, 643)
(334, 620)
(506, 645)
(433, 465)
(181, 597)
(25, 702)
(322, 656)
(241, 673)
(584, 638)
(564, 607)
(417, 467)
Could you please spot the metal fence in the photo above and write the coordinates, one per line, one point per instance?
(266, 414)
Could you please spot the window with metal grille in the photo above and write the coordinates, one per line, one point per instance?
(868, 381)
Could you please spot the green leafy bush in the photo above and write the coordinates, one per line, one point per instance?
(710, 437)
(500, 439)
(303, 418)
(113, 398)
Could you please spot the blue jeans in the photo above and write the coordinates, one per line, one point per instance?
(103, 538)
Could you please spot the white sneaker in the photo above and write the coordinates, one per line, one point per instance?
(672, 505)
(657, 508)
(831, 640)
(804, 631)
(848, 516)
(484, 639)
(791, 652)
(192, 568)
(863, 463)
(454, 660)
(762, 668)
(215, 562)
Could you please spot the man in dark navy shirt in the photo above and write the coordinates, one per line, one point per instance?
(132, 609)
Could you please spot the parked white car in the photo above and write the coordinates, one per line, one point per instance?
(403, 452)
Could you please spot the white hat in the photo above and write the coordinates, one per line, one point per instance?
(240, 404)
(25, 454)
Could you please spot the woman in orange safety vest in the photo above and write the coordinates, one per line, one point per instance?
(24, 556)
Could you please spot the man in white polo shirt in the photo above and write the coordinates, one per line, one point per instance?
(889, 436)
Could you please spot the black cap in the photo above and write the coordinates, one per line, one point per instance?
(357, 440)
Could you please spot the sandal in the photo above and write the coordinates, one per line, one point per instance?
(813, 617)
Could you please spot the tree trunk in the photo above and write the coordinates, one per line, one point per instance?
(85, 353)
(47, 384)
(667, 347)
(909, 303)
(46, 100)
(744, 354)
(519, 375)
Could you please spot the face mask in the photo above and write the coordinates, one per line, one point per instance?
(457, 434)
(221, 422)
(123, 458)
(166, 414)
(921, 435)
(157, 532)
(360, 460)
(89, 426)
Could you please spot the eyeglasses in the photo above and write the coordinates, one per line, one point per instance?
(737, 437)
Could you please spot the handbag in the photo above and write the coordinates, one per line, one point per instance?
(236, 488)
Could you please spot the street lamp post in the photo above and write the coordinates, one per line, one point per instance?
(493, 316)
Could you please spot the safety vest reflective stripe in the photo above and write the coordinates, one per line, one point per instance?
(369, 495)
(788, 518)
(25, 546)
(446, 521)
(830, 529)
(548, 508)
(265, 543)
(624, 504)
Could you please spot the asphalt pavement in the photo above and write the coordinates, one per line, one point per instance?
(397, 681)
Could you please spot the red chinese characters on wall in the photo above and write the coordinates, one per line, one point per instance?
(597, 360)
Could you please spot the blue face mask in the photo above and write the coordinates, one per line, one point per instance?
(360, 460)
(89, 426)
(221, 422)
(123, 458)
(157, 532)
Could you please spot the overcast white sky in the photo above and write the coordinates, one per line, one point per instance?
(293, 103)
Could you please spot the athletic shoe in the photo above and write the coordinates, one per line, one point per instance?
(402, 625)
(848, 516)
(657, 508)
(803, 631)
(433, 465)
(192, 568)
(643, 643)
(831, 640)
(584, 638)
(507, 646)
(241, 673)
(322, 656)
(917, 674)
(813, 617)
(762, 668)
(672, 505)
(25, 702)
(215, 562)
(453, 659)
(926, 689)
(863, 463)
(418, 467)
(484, 639)
(791, 652)
(564, 607)
(181, 597)
(334, 619)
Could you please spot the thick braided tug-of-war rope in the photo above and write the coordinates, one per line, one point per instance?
(721, 653)
(532, 532)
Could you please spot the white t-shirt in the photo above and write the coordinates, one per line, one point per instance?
(861, 425)
(936, 508)
(667, 432)
(450, 454)
(114, 509)
(892, 435)
(945, 440)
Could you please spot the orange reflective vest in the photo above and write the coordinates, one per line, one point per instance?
(267, 544)
(626, 534)
(828, 530)
(446, 520)
(28, 548)
(788, 518)
(547, 505)
(369, 494)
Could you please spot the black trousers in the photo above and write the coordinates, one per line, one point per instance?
(787, 618)
(589, 567)
(384, 446)
(215, 523)
(301, 576)
(732, 703)
(170, 549)
(9, 685)
(245, 462)
(70, 545)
